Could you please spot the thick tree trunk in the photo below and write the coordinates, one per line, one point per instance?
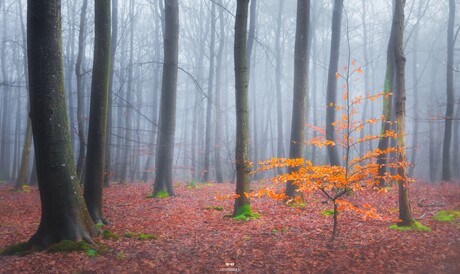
(98, 112)
(167, 126)
(331, 92)
(300, 90)
(242, 111)
(446, 170)
(64, 213)
(80, 90)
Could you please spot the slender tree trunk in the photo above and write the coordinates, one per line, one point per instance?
(366, 75)
(64, 213)
(218, 125)
(207, 151)
(296, 146)
(331, 95)
(279, 93)
(108, 140)
(80, 90)
(165, 149)
(404, 204)
(98, 112)
(446, 170)
(242, 205)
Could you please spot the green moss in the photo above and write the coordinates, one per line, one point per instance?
(140, 236)
(99, 225)
(162, 194)
(107, 234)
(328, 212)
(296, 205)
(244, 213)
(447, 215)
(416, 226)
(21, 249)
(69, 246)
(218, 208)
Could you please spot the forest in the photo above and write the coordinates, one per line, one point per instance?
(249, 136)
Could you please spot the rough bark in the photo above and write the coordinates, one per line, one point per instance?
(98, 112)
(242, 111)
(64, 213)
(331, 91)
(167, 126)
(296, 145)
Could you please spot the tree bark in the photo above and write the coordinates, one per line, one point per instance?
(331, 91)
(64, 213)
(296, 145)
(167, 126)
(279, 102)
(98, 112)
(242, 111)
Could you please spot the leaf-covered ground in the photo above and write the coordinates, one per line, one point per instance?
(194, 237)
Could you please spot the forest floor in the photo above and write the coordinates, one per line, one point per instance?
(194, 236)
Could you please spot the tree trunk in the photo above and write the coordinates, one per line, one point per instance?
(218, 125)
(98, 112)
(108, 139)
(64, 213)
(167, 126)
(242, 111)
(80, 90)
(400, 60)
(296, 145)
(279, 102)
(446, 170)
(207, 151)
(331, 92)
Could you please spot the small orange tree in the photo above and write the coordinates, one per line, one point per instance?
(358, 172)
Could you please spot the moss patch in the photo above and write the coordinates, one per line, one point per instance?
(244, 213)
(447, 215)
(140, 236)
(69, 246)
(21, 249)
(416, 226)
(107, 234)
(296, 205)
(218, 208)
(160, 195)
(328, 212)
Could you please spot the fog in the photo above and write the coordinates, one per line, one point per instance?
(137, 78)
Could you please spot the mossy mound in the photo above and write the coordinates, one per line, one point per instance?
(244, 213)
(140, 236)
(447, 215)
(107, 234)
(21, 249)
(416, 226)
(160, 195)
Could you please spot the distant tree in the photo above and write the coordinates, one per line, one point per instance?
(331, 95)
(446, 171)
(98, 112)
(278, 85)
(242, 203)
(167, 125)
(296, 145)
(64, 213)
